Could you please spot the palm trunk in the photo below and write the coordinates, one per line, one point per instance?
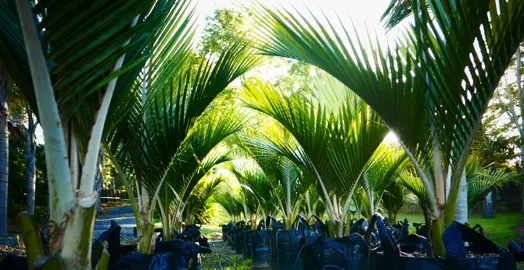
(308, 203)
(30, 163)
(461, 209)
(4, 153)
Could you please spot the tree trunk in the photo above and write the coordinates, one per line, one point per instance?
(488, 206)
(522, 180)
(30, 163)
(461, 210)
(99, 179)
(4, 153)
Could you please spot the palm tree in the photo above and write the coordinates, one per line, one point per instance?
(381, 172)
(286, 181)
(76, 71)
(435, 107)
(394, 198)
(182, 127)
(201, 198)
(185, 180)
(335, 141)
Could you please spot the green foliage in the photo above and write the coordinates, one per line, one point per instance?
(18, 182)
(222, 28)
(482, 179)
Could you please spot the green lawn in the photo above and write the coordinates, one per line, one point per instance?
(497, 229)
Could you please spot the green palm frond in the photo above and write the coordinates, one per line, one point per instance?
(415, 186)
(171, 115)
(230, 201)
(441, 74)
(384, 167)
(393, 93)
(393, 199)
(200, 199)
(483, 179)
(257, 184)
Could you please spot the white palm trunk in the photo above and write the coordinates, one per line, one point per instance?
(461, 210)
(4, 153)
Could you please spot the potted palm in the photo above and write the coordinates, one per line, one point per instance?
(431, 89)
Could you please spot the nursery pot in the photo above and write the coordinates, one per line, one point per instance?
(480, 253)
(260, 249)
(248, 243)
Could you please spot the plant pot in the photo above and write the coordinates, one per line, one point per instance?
(14, 262)
(479, 254)
(239, 242)
(248, 243)
(287, 243)
(260, 249)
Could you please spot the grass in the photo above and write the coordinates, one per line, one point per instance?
(498, 229)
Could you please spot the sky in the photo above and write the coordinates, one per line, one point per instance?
(362, 12)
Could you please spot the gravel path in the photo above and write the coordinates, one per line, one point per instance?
(123, 215)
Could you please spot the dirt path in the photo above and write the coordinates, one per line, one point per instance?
(223, 257)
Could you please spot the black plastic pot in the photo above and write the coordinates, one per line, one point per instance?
(260, 249)
(288, 243)
(226, 229)
(248, 243)
(480, 253)
(386, 254)
(174, 254)
(112, 236)
(350, 252)
(13, 262)
(239, 241)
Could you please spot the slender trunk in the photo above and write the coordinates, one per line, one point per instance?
(427, 220)
(4, 153)
(522, 180)
(30, 163)
(308, 203)
(521, 124)
(461, 209)
(61, 197)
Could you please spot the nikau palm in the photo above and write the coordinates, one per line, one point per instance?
(334, 141)
(435, 107)
(178, 133)
(81, 68)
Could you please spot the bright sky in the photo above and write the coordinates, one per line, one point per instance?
(362, 12)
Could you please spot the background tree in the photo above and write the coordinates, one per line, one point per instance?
(4, 151)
